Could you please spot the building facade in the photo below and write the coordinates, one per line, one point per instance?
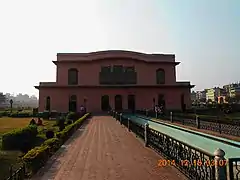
(213, 94)
(114, 79)
(235, 92)
(230, 87)
(201, 95)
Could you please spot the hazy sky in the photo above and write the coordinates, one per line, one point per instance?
(204, 35)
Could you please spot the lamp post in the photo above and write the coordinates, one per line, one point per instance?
(11, 102)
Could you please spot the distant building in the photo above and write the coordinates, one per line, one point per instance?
(201, 95)
(234, 92)
(213, 94)
(193, 96)
(229, 87)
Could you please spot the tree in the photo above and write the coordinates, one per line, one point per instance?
(203, 100)
(2, 98)
(227, 98)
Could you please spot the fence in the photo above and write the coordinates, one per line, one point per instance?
(193, 162)
(19, 174)
(230, 127)
(234, 168)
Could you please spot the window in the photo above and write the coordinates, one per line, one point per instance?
(161, 100)
(117, 68)
(106, 69)
(72, 76)
(130, 75)
(129, 69)
(160, 76)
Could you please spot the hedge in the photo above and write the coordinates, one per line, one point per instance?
(69, 129)
(73, 116)
(21, 114)
(19, 139)
(37, 157)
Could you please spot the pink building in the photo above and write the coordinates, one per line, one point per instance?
(116, 79)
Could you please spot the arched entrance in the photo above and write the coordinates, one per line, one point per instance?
(161, 100)
(48, 103)
(118, 102)
(131, 102)
(105, 103)
(72, 106)
(183, 105)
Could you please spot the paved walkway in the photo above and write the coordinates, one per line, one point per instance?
(105, 150)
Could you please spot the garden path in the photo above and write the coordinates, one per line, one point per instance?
(104, 150)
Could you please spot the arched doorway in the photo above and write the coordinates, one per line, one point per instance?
(105, 103)
(72, 103)
(183, 105)
(48, 103)
(131, 102)
(118, 102)
(161, 100)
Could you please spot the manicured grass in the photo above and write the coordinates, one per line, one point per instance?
(8, 123)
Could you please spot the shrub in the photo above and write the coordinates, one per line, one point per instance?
(68, 131)
(69, 122)
(20, 138)
(35, 111)
(72, 116)
(53, 143)
(37, 157)
(20, 114)
(32, 122)
(49, 134)
(45, 115)
(61, 124)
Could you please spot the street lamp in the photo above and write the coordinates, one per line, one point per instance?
(11, 102)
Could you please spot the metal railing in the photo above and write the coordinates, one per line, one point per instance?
(193, 162)
(19, 174)
(234, 168)
(216, 125)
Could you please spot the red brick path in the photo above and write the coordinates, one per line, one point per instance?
(105, 150)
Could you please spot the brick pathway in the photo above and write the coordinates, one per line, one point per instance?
(105, 150)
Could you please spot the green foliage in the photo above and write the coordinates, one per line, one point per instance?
(20, 114)
(68, 130)
(61, 123)
(32, 122)
(45, 115)
(69, 122)
(19, 139)
(72, 116)
(49, 134)
(37, 157)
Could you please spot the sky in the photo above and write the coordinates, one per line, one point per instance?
(204, 35)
